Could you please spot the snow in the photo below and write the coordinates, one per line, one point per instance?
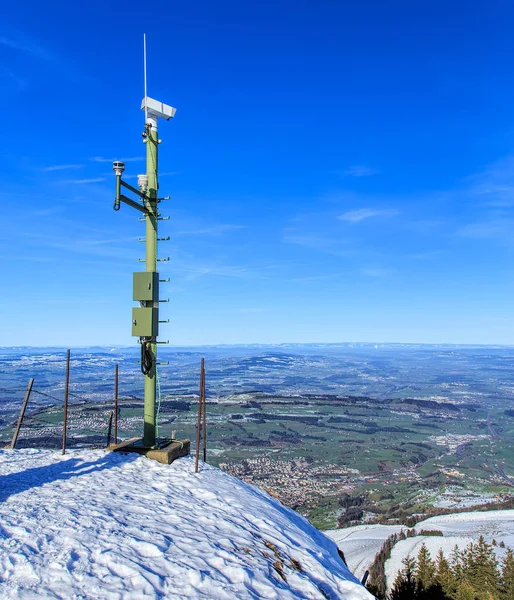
(458, 530)
(97, 525)
(361, 543)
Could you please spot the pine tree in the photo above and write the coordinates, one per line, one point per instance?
(481, 569)
(456, 565)
(404, 587)
(434, 592)
(507, 578)
(464, 592)
(425, 569)
(444, 575)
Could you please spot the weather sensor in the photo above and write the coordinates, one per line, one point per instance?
(154, 108)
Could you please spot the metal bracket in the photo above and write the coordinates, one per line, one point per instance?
(164, 280)
(163, 239)
(163, 259)
(164, 300)
(134, 204)
(165, 321)
(141, 260)
(163, 218)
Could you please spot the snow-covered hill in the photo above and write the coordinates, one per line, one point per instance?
(361, 543)
(96, 525)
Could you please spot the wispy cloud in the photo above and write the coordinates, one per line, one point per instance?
(376, 272)
(495, 184)
(18, 41)
(102, 159)
(498, 229)
(61, 168)
(191, 271)
(10, 82)
(360, 171)
(311, 278)
(92, 180)
(427, 255)
(356, 216)
(166, 173)
(214, 230)
(323, 243)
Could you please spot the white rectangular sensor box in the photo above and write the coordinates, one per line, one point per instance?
(158, 109)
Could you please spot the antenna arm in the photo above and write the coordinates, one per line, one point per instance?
(134, 204)
(133, 189)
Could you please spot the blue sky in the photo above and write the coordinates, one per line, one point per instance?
(339, 171)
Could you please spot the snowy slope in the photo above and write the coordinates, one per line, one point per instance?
(458, 530)
(361, 543)
(95, 525)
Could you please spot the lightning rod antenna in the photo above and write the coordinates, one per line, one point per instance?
(144, 61)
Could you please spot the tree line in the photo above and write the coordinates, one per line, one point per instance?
(474, 573)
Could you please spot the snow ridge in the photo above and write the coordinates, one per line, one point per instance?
(96, 525)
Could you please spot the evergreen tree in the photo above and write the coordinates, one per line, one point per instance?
(434, 592)
(425, 569)
(480, 568)
(464, 592)
(507, 578)
(404, 587)
(444, 575)
(456, 565)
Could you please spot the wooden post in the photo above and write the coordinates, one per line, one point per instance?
(66, 387)
(199, 424)
(22, 414)
(109, 429)
(115, 404)
(204, 428)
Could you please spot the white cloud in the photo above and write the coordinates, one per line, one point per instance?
(60, 168)
(25, 45)
(360, 171)
(376, 272)
(213, 230)
(356, 216)
(93, 180)
(102, 159)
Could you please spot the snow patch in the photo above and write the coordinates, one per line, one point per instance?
(96, 525)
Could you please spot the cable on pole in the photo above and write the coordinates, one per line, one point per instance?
(146, 358)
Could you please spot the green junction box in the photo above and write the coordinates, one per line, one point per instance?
(145, 322)
(145, 319)
(146, 286)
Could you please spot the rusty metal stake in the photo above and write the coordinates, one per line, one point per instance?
(115, 404)
(66, 387)
(199, 424)
(22, 414)
(204, 428)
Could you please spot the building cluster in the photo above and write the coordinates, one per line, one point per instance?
(293, 482)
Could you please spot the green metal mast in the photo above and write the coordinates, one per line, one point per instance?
(145, 318)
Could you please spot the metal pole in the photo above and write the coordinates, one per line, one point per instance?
(109, 429)
(204, 428)
(22, 414)
(151, 265)
(116, 404)
(66, 387)
(199, 424)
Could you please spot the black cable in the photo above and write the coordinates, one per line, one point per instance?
(146, 358)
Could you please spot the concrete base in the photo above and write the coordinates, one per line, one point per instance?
(165, 454)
